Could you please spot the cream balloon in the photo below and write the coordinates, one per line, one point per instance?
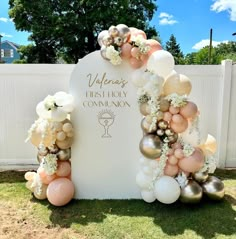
(148, 196)
(161, 63)
(138, 77)
(167, 190)
(177, 83)
(143, 180)
(210, 145)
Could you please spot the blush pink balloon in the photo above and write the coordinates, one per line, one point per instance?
(126, 50)
(45, 178)
(189, 111)
(172, 160)
(178, 119)
(154, 46)
(179, 153)
(60, 191)
(179, 128)
(135, 63)
(135, 52)
(167, 116)
(136, 32)
(173, 110)
(170, 151)
(63, 169)
(193, 163)
(171, 170)
(144, 58)
(176, 146)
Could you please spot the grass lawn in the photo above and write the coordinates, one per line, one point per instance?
(23, 216)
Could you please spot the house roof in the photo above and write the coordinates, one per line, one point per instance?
(12, 44)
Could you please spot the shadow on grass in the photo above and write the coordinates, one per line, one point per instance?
(206, 219)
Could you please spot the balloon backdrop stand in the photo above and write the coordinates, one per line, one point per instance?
(130, 72)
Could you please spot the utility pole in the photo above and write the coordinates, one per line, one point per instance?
(210, 48)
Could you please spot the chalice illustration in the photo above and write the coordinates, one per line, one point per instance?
(106, 119)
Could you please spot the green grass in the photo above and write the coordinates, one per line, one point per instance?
(127, 218)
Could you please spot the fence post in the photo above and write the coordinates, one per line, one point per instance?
(224, 94)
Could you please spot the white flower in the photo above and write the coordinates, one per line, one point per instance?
(210, 164)
(55, 107)
(177, 100)
(188, 150)
(49, 164)
(113, 55)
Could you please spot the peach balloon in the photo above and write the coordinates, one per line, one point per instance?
(210, 145)
(154, 46)
(193, 163)
(179, 128)
(135, 52)
(173, 110)
(177, 83)
(179, 153)
(190, 110)
(60, 191)
(29, 175)
(63, 169)
(126, 50)
(144, 58)
(172, 160)
(170, 151)
(176, 146)
(137, 32)
(46, 179)
(135, 63)
(171, 170)
(167, 116)
(178, 119)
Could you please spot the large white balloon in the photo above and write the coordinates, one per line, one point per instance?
(143, 181)
(161, 63)
(167, 190)
(148, 196)
(138, 77)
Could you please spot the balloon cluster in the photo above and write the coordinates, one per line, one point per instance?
(126, 43)
(177, 156)
(52, 134)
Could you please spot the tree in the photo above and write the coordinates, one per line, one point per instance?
(174, 48)
(227, 50)
(69, 28)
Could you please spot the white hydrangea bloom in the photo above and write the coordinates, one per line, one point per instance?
(49, 164)
(113, 55)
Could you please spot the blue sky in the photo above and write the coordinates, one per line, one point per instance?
(189, 20)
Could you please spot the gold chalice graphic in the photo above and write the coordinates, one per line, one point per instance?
(106, 119)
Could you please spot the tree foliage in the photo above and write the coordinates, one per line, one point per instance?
(69, 28)
(174, 48)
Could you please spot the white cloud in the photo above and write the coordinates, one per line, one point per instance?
(5, 35)
(206, 42)
(225, 5)
(166, 19)
(3, 19)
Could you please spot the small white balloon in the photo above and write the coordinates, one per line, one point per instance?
(161, 63)
(138, 78)
(67, 127)
(144, 161)
(147, 170)
(58, 115)
(42, 111)
(167, 190)
(148, 196)
(153, 164)
(101, 35)
(143, 181)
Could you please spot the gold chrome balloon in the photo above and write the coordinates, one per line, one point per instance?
(191, 193)
(159, 115)
(173, 138)
(144, 109)
(162, 124)
(146, 127)
(64, 154)
(164, 105)
(150, 146)
(42, 150)
(169, 132)
(214, 188)
(200, 177)
(53, 149)
(40, 157)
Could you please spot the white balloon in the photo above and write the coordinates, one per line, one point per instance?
(41, 111)
(148, 196)
(147, 170)
(153, 164)
(143, 181)
(144, 161)
(161, 63)
(138, 78)
(167, 190)
(101, 35)
(58, 115)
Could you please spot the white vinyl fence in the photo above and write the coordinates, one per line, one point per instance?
(23, 86)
